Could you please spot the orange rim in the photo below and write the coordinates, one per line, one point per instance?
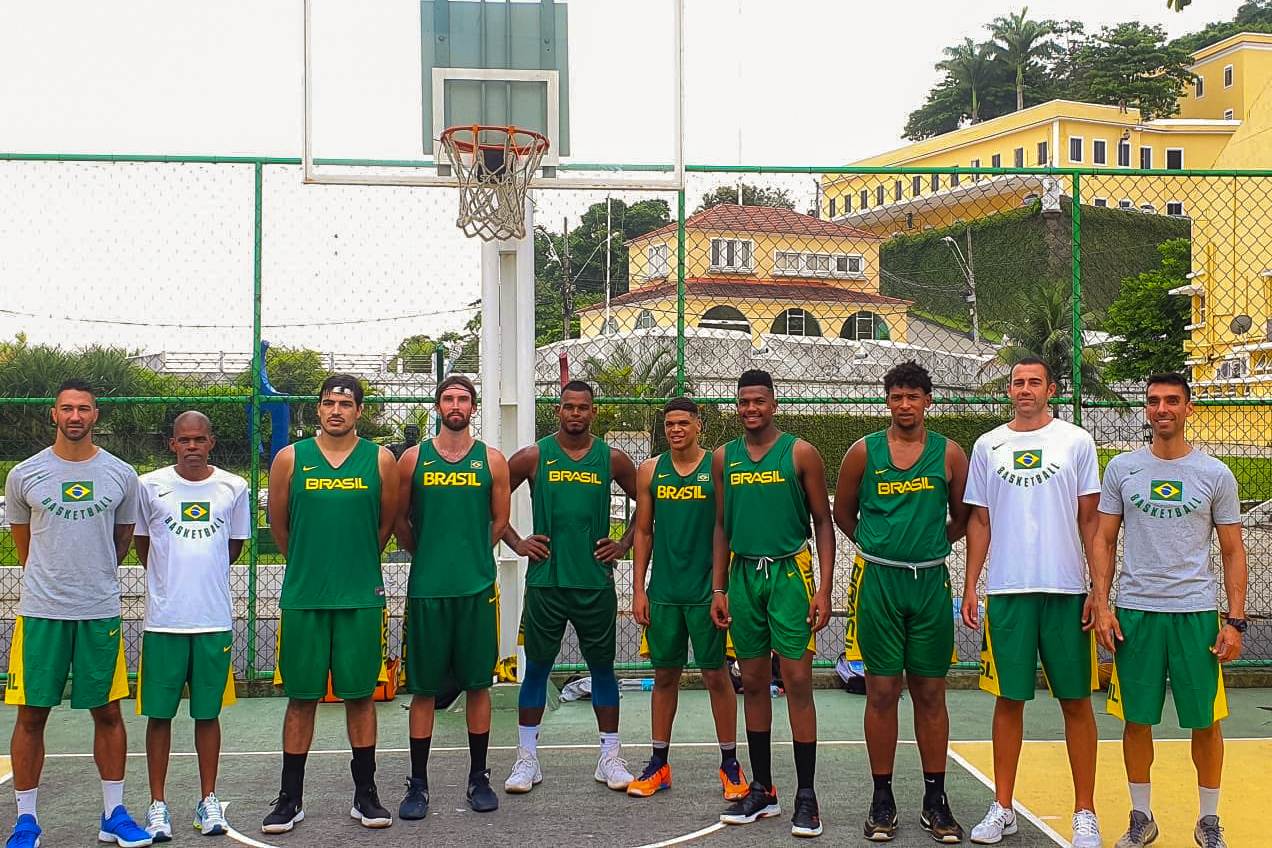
(538, 141)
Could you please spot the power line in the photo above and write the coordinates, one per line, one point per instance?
(351, 321)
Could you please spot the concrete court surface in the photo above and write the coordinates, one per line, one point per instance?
(570, 808)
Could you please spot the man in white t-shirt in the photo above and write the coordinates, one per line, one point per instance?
(194, 519)
(1034, 485)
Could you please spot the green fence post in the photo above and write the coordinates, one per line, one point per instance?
(253, 556)
(1077, 300)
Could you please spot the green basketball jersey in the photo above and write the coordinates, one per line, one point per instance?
(333, 548)
(684, 526)
(903, 512)
(765, 511)
(571, 507)
(450, 515)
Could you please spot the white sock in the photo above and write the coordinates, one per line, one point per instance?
(1209, 801)
(1141, 794)
(26, 801)
(112, 795)
(609, 743)
(528, 738)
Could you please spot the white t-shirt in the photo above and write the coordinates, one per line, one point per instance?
(190, 525)
(1030, 482)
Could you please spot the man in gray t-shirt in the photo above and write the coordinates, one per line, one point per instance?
(1166, 625)
(71, 508)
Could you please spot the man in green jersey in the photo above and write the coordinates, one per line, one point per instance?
(332, 504)
(895, 490)
(763, 590)
(570, 578)
(453, 505)
(676, 497)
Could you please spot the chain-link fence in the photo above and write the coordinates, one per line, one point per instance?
(158, 280)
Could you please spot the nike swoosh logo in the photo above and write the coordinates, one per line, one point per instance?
(550, 462)
(112, 633)
(660, 476)
(731, 464)
(997, 446)
(490, 600)
(430, 462)
(163, 494)
(1133, 472)
(308, 467)
(881, 471)
(226, 649)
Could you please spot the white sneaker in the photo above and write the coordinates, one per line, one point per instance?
(1000, 821)
(611, 770)
(158, 822)
(209, 818)
(525, 773)
(1086, 830)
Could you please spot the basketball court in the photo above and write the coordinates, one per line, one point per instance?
(570, 808)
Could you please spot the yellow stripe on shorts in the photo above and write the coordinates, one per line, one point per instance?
(14, 692)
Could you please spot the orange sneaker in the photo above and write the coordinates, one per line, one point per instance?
(733, 781)
(655, 776)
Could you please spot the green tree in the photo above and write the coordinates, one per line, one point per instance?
(1253, 16)
(971, 67)
(1133, 64)
(942, 112)
(1022, 45)
(1147, 321)
(629, 372)
(752, 195)
(1043, 327)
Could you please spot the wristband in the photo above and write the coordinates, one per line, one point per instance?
(719, 591)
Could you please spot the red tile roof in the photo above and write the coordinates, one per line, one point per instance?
(742, 291)
(762, 219)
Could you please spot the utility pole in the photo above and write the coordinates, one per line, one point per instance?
(971, 288)
(567, 283)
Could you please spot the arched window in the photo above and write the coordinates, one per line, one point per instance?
(609, 328)
(796, 322)
(864, 325)
(645, 320)
(724, 318)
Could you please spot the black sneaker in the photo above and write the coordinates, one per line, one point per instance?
(367, 808)
(881, 824)
(415, 804)
(481, 797)
(939, 822)
(806, 821)
(287, 812)
(760, 803)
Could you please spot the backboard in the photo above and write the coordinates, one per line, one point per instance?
(603, 80)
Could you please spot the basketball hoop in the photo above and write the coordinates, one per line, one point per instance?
(494, 166)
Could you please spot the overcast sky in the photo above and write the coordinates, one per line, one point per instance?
(767, 82)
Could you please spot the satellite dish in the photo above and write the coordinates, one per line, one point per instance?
(1241, 324)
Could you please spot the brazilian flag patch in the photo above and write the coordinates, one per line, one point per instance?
(1167, 490)
(77, 491)
(196, 511)
(1026, 460)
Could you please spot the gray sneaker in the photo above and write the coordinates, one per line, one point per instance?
(1142, 830)
(1208, 833)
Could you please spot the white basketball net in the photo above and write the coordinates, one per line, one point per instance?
(494, 166)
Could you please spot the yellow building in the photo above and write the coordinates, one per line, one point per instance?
(760, 270)
(1224, 123)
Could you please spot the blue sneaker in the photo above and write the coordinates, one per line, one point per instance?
(122, 830)
(26, 833)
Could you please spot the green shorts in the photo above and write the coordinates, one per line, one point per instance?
(1157, 645)
(447, 639)
(900, 619)
(349, 645)
(171, 660)
(45, 650)
(769, 606)
(1021, 628)
(593, 612)
(672, 627)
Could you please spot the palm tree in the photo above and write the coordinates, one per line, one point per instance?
(971, 67)
(1043, 327)
(1019, 43)
(630, 373)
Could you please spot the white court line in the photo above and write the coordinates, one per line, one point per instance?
(688, 837)
(1016, 805)
(238, 837)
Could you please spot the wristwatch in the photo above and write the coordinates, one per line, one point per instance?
(1237, 624)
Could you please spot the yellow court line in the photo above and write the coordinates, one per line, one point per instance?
(1043, 786)
(6, 770)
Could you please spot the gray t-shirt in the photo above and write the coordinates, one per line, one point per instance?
(1169, 508)
(72, 507)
